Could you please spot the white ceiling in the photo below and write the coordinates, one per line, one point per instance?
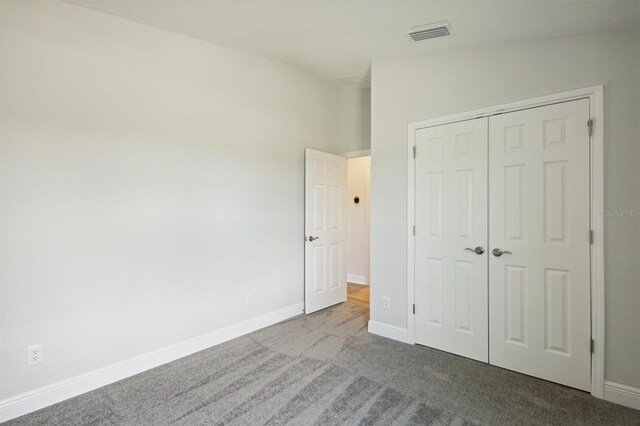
(335, 38)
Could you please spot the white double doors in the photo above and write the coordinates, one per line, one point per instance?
(502, 241)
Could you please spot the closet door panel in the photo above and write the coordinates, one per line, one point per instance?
(539, 216)
(451, 221)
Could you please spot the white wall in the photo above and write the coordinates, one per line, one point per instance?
(148, 182)
(410, 90)
(359, 178)
(354, 119)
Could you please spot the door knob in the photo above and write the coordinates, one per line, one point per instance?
(497, 252)
(311, 238)
(478, 250)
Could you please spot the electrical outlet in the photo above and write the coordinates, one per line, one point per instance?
(249, 298)
(386, 303)
(34, 355)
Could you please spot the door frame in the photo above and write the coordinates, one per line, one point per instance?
(595, 94)
(356, 154)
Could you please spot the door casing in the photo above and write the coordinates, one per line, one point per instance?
(595, 94)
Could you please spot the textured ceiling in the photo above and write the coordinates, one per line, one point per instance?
(342, 37)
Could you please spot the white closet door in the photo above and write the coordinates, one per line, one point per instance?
(451, 221)
(539, 215)
(325, 217)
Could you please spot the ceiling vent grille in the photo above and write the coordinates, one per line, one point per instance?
(431, 31)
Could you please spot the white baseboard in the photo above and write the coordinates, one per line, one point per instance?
(622, 394)
(389, 331)
(28, 402)
(358, 279)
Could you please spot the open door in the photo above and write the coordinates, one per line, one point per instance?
(325, 211)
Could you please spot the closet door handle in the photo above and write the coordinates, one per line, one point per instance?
(478, 250)
(497, 252)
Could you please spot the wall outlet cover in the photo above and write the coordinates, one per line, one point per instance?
(386, 303)
(34, 355)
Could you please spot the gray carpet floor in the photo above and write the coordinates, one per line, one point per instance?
(325, 369)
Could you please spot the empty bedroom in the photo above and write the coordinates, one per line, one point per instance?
(270, 212)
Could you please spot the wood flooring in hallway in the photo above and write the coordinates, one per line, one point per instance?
(358, 293)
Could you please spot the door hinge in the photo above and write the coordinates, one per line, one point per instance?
(591, 236)
(414, 151)
(414, 230)
(414, 309)
(592, 345)
(590, 125)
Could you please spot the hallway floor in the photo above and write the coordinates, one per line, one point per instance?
(358, 293)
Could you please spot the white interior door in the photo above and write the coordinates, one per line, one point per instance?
(539, 216)
(325, 213)
(451, 222)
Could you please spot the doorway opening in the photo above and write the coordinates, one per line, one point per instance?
(337, 211)
(358, 229)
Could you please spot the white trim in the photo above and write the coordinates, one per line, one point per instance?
(388, 331)
(622, 394)
(356, 154)
(358, 279)
(28, 402)
(411, 270)
(597, 248)
(595, 94)
(586, 92)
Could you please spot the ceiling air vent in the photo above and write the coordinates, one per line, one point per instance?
(430, 31)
